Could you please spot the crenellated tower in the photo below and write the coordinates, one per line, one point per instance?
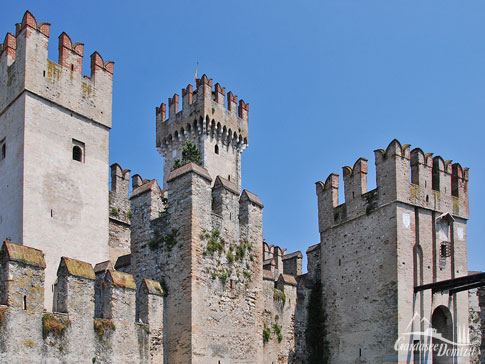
(54, 138)
(218, 129)
(379, 245)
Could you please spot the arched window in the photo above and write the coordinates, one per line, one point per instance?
(216, 149)
(77, 153)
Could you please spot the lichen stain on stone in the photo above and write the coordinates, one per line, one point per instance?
(415, 192)
(456, 206)
(53, 71)
(86, 90)
(9, 75)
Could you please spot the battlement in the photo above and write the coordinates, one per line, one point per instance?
(24, 65)
(203, 112)
(114, 335)
(403, 175)
(120, 179)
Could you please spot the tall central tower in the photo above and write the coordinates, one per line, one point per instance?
(204, 242)
(219, 132)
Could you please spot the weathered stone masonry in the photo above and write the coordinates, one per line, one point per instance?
(380, 244)
(182, 274)
(48, 112)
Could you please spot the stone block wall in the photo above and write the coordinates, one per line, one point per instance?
(380, 244)
(119, 213)
(48, 109)
(28, 334)
(204, 244)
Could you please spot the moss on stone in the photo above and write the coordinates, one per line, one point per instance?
(3, 311)
(101, 326)
(54, 325)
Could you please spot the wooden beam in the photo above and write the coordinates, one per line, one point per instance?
(452, 283)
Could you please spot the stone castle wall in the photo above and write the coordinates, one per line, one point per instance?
(47, 109)
(119, 213)
(71, 335)
(380, 244)
(194, 281)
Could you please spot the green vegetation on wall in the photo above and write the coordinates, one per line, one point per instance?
(190, 153)
(316, 331)
(279, 296)
(167, 241)
(266, 334)
(237, 267)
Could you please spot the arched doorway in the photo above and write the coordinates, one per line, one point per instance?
(442, 322)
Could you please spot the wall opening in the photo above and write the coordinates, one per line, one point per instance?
(3, 149)
(25, 302)
(442, 322)
(77, 154)
(435, 185)
(78, 151)
(216, 149)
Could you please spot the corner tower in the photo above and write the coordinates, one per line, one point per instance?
(54, 133)
(381, 247)
(219, 131)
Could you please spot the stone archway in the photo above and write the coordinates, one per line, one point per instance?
(442, 322)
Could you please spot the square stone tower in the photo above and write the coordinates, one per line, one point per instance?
(54, 135)
(219, 132)
(379, 245)
(201, 236)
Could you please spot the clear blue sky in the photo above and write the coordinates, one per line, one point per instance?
(327, 82)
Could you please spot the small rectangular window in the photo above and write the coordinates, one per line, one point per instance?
(78, 151)
(3, 149)
(445, 249)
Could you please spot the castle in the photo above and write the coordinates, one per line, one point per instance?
(180, 272)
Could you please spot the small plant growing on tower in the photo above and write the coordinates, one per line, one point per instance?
(277, 331)
(279, 296)
(215, 243)
(190, 153)
(223, 277)
(165, 207)
(266, 334)
(168, 241)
